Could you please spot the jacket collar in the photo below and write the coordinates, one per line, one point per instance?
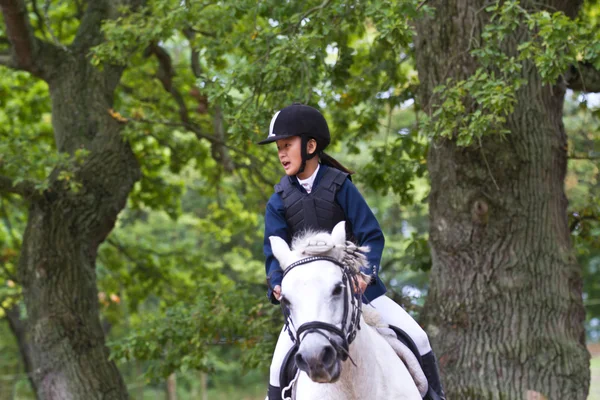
(320, 173)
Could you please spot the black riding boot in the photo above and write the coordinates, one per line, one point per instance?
(274, 393)
(430, 368)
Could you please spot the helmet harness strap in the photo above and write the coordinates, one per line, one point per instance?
(304, 152)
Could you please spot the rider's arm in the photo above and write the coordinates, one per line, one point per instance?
(275, 225)
(365, 227)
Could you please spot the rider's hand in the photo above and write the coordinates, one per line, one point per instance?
(277, 292)
(362, 285)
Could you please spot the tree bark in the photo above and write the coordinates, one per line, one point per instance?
(204, 385)
(504, 312)
(172, 387)
(64, 230)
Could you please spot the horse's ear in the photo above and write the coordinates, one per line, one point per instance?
(339, 233)
(281, 250)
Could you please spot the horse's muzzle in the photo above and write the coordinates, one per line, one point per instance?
(321, 363)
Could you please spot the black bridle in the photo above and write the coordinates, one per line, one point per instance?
(350, 323)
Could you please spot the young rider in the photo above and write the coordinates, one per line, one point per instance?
(316, 193)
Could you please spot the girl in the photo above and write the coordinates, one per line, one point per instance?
(317, 193)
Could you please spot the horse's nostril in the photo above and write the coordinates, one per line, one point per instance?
(328, 356)
(300, 362)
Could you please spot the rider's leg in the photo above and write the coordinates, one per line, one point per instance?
(430, 368)
(284, 344)
(394, 314)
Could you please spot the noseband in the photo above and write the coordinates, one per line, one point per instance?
(350, 323)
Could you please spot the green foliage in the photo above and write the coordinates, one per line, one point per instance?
(25, 99)
(397, 160)
(582, 185)
(224, 314)
(263, 56)
(466, 110)
(181, 278)
(190, 286)
(10, 365)
(11, 225)
(474, 107)
(558, 43)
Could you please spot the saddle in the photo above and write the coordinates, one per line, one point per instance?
(398, 339)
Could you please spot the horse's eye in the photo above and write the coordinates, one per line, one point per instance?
(337, 290)
(284, 301)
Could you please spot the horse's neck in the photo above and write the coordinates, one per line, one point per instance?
(366, 373)
(379, 372)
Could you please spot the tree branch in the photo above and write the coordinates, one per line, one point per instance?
(165, 75)
(190, 34)
(89, 33)
(28, 53)
(7, 60)
(583, 77)
(19, 33)
(214, 141)
(80, 11)
(587, 158)
(140, 266)
(324, 4)
(116, 244)
(219, 152)
(48, 25)
(40, 19)
(578, 219)
(23, 188)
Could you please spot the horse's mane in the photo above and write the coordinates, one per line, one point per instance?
(311, 243)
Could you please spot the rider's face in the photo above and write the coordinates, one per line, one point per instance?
(290, 155)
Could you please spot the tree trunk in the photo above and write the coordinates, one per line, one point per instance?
(140, 386)
(204, 385)
(65, 228)
(172, 387)
(505, 312)
(200, 391)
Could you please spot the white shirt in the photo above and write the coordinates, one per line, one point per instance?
(307, 183)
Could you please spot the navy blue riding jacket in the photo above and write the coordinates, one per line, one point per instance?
(365, 229)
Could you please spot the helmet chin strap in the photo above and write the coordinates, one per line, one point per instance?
(304, 153)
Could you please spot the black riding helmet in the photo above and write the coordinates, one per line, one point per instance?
(300, 120)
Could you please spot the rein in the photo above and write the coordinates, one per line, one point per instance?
(350, 323)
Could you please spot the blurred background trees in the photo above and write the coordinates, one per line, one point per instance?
(180, 279)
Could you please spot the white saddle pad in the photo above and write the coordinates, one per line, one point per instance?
(372, 317)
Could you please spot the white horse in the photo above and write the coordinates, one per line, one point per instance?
(320, 273)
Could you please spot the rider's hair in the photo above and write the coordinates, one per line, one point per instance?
(326, 159)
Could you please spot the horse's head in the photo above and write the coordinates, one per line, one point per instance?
(321, 271)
